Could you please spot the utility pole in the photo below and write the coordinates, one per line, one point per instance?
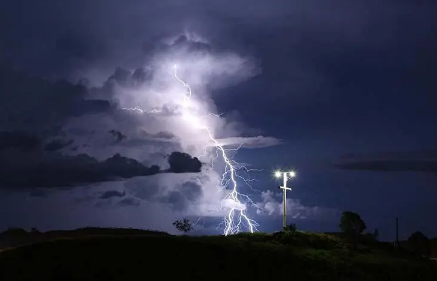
(284, 188)
(397, 233)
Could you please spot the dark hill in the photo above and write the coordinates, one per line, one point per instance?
(279, 256)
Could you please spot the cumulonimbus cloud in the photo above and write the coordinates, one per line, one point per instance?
(144, 120)
(140, 115)
(152, 111)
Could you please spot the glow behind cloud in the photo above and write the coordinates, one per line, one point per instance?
(163, 114)
(237, 216)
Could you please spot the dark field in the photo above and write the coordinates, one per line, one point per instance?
(137, 255)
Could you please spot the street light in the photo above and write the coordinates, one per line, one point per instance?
(286, 176)
(290, 174)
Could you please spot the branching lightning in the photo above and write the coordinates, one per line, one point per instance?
(237, 218)
(136, 108)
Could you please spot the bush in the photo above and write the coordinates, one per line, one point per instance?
(184, 225)
(291, 228)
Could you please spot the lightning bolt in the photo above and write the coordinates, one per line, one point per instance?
(237, 216)
(136, 108)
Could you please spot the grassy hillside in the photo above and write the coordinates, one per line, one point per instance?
(298, 256)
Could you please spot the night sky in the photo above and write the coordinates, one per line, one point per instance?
(343, 92)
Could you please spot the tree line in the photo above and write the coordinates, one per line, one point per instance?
(351, 226)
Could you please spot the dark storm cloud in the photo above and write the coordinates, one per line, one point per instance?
(310, 50)
(36, 104)
(88, 30)
(77, 36)
(35, 166)
(339, 65)
(56, 170)
(19, 140)
(395, 161)
(183, 163)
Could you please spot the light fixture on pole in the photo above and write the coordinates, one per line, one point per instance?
(286, 176)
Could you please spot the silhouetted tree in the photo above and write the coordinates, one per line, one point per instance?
(291, 228)
(351, 223)
(183, 225)
(419, 243)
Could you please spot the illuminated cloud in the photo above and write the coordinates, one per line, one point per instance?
(149, 119)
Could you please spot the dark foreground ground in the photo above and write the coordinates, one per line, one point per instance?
(151, 256)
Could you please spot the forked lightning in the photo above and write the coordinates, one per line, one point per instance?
(237, 218)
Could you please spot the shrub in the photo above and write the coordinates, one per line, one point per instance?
(291, 228)
(184, 225)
